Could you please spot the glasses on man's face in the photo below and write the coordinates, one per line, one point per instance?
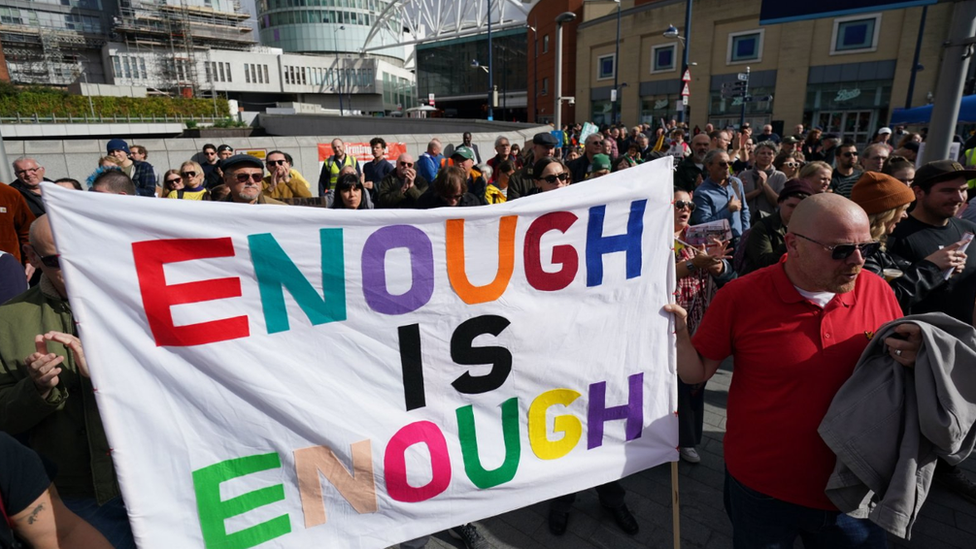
(276, 162)
(551, 179)
(849, 154)
(52, 261)
(255, 177)
(406, 164)
(26, 171)
(682, 204)
(210, 153)
(173, 181)
(188, 175)
(843, 251)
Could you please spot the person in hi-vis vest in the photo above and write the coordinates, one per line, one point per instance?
(334, 164)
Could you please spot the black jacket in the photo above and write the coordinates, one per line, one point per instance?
(34, 201)
(916, 282)
(686, 173)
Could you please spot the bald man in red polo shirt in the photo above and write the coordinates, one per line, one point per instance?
(795, 331)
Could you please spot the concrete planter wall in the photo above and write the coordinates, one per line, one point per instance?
(218, 132)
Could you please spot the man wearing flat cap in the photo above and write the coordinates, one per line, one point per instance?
(244, 177)
(940, 190)
(522, 182)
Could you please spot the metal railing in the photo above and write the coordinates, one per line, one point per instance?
(52, 118)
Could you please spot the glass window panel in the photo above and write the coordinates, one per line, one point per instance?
(745, 47)
(266, 79)
(853, 35)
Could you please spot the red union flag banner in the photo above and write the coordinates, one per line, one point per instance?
(301, 377)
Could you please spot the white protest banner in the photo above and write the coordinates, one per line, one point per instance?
(279, 376)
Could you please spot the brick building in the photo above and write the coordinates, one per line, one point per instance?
(844, 73)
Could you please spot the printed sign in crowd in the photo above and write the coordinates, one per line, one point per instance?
(362, 152)
(298, 377)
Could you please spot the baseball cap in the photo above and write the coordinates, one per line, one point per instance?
(941, 170)
(885, 129)
(463, 152)
(790, 139)
(223, 148)
(117, 145)
(239, 160)
(545, 138)
(600, 162)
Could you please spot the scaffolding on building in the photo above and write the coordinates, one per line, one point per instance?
(177, 34)
(44, 55)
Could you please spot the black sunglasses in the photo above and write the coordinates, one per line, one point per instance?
(188, 175)
(177, 180)
(552, 178)
(843, 251)
(406, 164)
(682, 204)
(51, 261)
(276, 162)
(256, 177)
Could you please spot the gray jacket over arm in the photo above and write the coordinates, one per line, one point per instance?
(889, 423)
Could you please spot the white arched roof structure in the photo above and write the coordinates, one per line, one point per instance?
(434, 20)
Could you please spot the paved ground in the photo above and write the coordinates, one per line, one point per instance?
(946, 521)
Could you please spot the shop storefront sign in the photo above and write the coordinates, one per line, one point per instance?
(846, 95)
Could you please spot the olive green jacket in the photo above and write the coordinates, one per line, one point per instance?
(66, 427)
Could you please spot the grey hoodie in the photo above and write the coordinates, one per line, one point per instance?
(888, 423)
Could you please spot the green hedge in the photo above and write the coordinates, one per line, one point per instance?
(27, 100)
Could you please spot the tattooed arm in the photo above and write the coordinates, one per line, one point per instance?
(35, 524)
(48, 524)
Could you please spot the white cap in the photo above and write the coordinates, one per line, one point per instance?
(885, 129)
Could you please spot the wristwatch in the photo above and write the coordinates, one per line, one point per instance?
(690, 265)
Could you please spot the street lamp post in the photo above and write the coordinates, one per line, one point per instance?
(491, 84)
(564, 17)
(684, 57)
(335, 42)
(672, 32)
(616, 71)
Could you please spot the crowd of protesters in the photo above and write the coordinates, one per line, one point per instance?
(807, 214)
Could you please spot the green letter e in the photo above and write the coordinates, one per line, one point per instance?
(213, 511)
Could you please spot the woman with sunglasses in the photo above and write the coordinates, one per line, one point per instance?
(192, 177)
(699, 272)
(885, 200)
(553, 174)
(789, 163)
(282, 181)
(172, 181)
(350, 194)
